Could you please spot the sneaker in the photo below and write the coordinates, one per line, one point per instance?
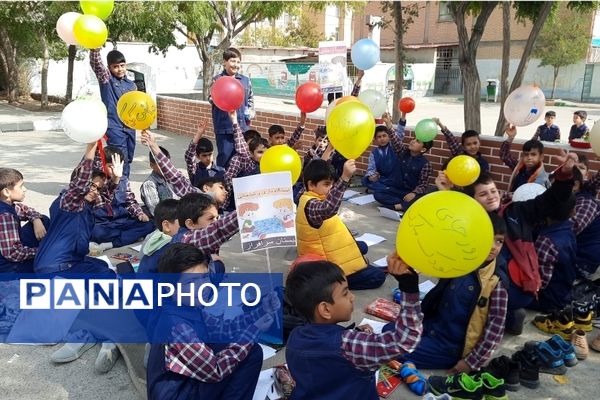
(507, 369)
(579, 342)
(567, 349)
(431, 396)
(459, 386)
(107, 357)
(596, 343)
(549, 360)
(582, 320)
(78, 343)
(529, 370)
(560, 323)
(493, 388)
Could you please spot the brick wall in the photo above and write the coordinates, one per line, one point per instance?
(182, 116)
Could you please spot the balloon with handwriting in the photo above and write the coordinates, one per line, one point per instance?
(463, 170)
(137, 110)
(84, 120)
(281, 158)
(64, 27)
(90, 31)
(309, 97)
(445, 234)
(350, 128)
(524, 105)
(100, 8)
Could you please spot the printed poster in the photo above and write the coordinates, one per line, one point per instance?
(332, 66)
(266, 211)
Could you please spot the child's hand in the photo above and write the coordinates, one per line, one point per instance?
(511, 132)
(461, 366)
(365, 328)
(201, 130)
(374, 177)
(567, 159)
(409, 197)
(349, 170)
(408, 279)
(271, 303)
(442, 182)
(302, 119)
(233, 117)
(116, 168)
(396, 265)
(437, 121)
(387, 119)
(149, 140)
(359, 75)
(143, 218)
(39, 230)
(264, 323)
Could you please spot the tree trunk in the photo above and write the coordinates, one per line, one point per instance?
(398, 60)
(467, 57)
(505, 65)
(9, 61)
(71, 63)
(554, 81)
(533, 35)
(45, 63)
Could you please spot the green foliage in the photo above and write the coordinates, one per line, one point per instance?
(562, 42)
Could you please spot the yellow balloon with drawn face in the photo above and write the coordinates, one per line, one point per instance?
(445, 234)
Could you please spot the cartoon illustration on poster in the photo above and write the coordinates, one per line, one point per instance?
(265, 208)
(332, 66)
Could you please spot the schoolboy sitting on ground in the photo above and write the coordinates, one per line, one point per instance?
(119, 218)
(530, 167)
(155, 188)
(18, 245)
(277, 133)
(548, 132)
(199, 157)
(464, 317)
(189, 367)
(329, 362)
(165, 219)
(320, 230)
(411, 171)
(382, 161)
(469, 144)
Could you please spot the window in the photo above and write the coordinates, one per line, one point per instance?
(444, 11)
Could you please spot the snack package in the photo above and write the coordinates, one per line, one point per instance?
(384, 309)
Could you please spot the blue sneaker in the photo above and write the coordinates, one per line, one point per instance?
(549, 360)
(567, 349)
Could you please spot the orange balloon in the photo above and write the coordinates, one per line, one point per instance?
(345, 99)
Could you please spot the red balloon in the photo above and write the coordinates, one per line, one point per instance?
(406, 104)
(309, 97)
(227, 93)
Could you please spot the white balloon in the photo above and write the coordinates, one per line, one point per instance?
(528, 191)
(64, 27)
(595, 138)
(524, 105)
(375, 100)
(84, 120)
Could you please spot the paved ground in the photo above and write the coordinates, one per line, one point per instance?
(46, 158)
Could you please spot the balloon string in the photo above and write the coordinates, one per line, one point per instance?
(102, 156)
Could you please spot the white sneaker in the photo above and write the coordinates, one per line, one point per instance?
(72, 351)
(107, 357)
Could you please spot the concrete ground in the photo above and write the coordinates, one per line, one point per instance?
(46, 158)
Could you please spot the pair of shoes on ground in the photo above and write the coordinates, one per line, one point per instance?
(474, 386)
(80, 342)
(566, 321)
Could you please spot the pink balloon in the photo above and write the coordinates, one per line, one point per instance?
(64, 27)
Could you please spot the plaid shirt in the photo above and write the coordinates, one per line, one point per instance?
(190, 357)
(180, 184)
(453, 144)
(402, 150)
(74, 198)
(593, 185)
(547, 256)
(210, 239)
(368, 351)
(317, 211)
(107, 196)
(505, 155)
(493, 331)
(587, 209)
(102, 73)
(190, 160)
(242, 160)
(11, 247)
(295, 136)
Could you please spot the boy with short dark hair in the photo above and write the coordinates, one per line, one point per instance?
(155, 188)
(469, 144)
(222, 122)
(199, 157)
(548, 132)
(277, 133)
(328, 361)
(18, 245)
(530, 167)
(382, 162)
(579, 129)
(114, 83)
(320, 230)
(167, 225)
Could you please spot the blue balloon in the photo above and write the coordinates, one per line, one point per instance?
(365, 54)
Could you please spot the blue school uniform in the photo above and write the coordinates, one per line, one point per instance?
(588, 243)
(577, 132)
(483, 164)
(203, 172)
(549, 133)
(385, 162)
(163, 384)
(66, 244)
(27, 238)
(114, 223)
(405, 179)
(315, 360)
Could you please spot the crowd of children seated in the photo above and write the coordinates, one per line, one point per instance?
(541, 247)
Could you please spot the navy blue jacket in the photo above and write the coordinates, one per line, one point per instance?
(111, 92)
(221, 121)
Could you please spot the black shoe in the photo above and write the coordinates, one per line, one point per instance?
(549, 360)
(459, 386)
(514, 321)
(504, 368)
(529, 371)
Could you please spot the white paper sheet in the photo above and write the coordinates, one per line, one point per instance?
(350, 193)
(268, 352)
(107, 260)
(370, 239)
(376, 325)
(362, 200)
(382, 262)
(391, 214)
(264, 384)
(137, 248)
(425, 287)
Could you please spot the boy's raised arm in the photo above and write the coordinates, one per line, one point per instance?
(453, 144)
(73, 200)
(505, 155)
(98, 67)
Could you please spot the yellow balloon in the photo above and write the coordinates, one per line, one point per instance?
(281, 158)
(350, 128)
(463, 170)
(90, 31)
(344, 99)
(445, 234)
(137, 110)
